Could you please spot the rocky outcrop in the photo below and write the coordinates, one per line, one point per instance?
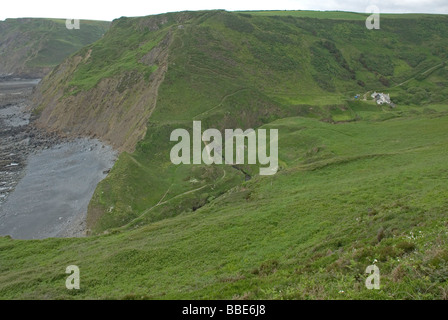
(115, 111)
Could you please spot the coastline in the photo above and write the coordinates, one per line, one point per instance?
(46, 181)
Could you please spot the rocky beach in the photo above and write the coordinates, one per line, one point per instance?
(46, 180)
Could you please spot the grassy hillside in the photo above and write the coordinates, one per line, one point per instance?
(233, 71)
(358, 183)
(32, 47)
(335, 15)
(350, 194)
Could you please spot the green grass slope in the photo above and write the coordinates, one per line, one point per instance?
(351, 194)
(236, 71)
(32, 47)
(335, 15)
(358, 183)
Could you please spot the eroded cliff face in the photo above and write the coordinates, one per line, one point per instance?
(115, 111)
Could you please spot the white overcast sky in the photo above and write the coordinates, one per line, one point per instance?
(111, 9)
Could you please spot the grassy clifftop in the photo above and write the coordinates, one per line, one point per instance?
(31, 47)
(358, 183)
